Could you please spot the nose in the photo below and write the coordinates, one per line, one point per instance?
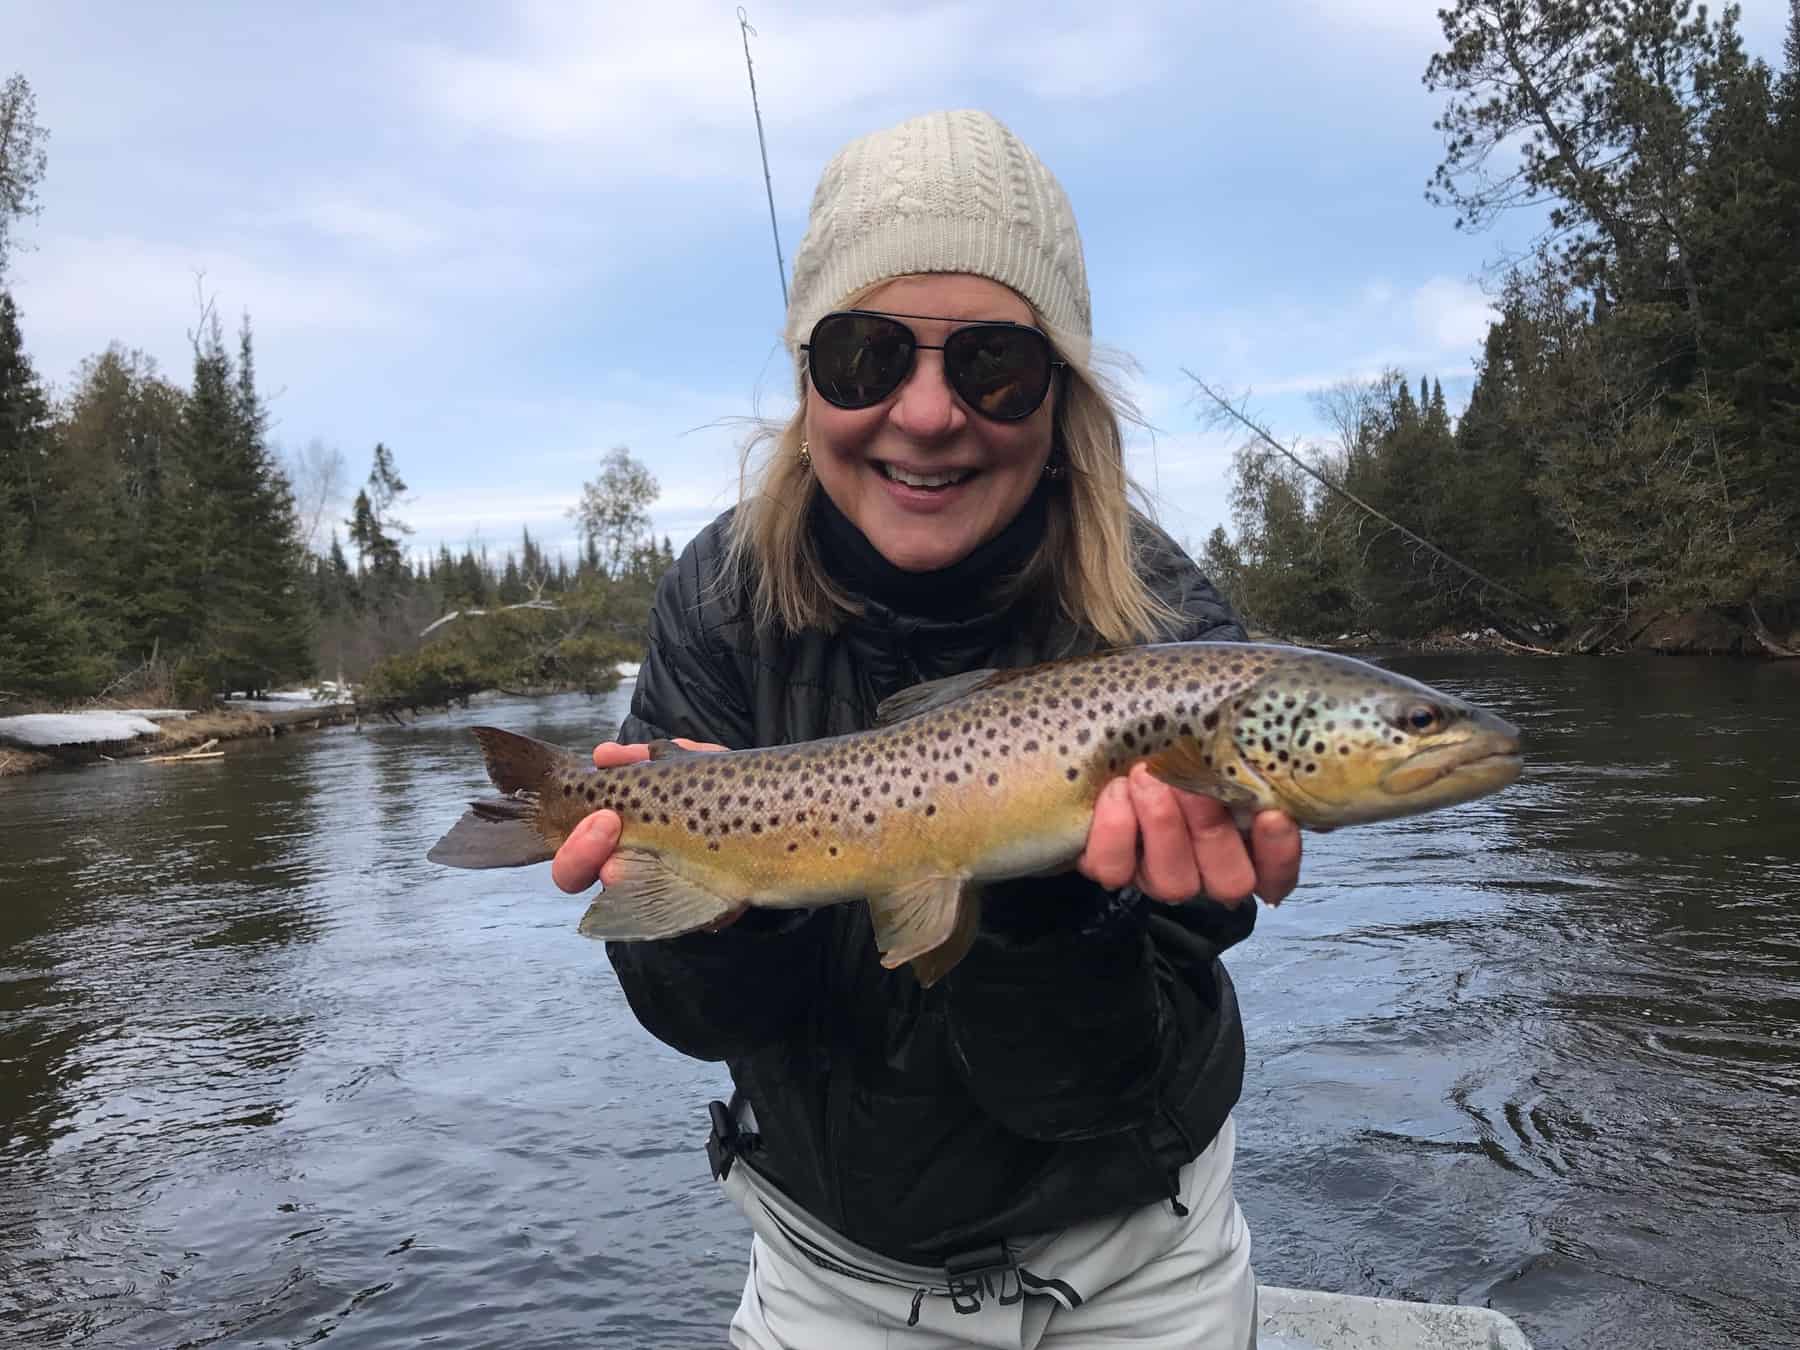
(926, 408)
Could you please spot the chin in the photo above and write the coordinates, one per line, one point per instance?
(921, 556)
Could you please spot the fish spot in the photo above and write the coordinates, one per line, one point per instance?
(1031, 747)
(992, 779)
(568, 789)
(833, 850)
(868, 817)
(1071, 774)
(793, 848)
(930, 808)
(1083, 736)
(1319, 748)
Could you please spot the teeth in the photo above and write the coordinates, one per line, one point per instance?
(924, 480)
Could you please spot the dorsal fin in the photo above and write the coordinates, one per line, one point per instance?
(670, 750)
(922, 698)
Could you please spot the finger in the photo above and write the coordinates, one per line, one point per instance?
(1167, 871)
(1226, 874)
(1275, 853)
(1110, 857)
(577, 863)
(610, 754)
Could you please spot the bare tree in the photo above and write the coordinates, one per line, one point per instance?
(22, 157)
(317, 473)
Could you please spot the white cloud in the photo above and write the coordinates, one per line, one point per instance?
(81, 292)
(663, 89)
(383, 227)
(1452, 315)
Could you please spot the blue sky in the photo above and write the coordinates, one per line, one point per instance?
(504, 238)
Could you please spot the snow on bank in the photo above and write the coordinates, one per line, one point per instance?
(321, 699)
(43, 730)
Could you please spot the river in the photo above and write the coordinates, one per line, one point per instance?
(267, 1076)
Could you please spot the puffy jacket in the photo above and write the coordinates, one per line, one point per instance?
(1086, 1048)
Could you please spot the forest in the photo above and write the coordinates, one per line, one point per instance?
(1630, 449)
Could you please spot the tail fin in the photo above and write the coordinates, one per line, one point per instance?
(505, 831)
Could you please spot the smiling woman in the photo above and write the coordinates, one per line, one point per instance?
(1036, 1149)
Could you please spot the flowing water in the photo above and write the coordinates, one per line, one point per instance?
(267, 1077)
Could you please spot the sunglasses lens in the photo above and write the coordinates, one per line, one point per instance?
(1000, 370)
(856, 360)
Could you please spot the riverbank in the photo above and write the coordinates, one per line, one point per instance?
(37, 741)
(1702, 632)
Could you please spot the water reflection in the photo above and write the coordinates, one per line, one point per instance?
(266, 1076)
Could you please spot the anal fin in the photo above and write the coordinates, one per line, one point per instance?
(930, 922)
(650, 900)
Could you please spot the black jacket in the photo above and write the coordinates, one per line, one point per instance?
(1087, 1047)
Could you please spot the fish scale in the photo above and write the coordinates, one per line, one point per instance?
(980, 777)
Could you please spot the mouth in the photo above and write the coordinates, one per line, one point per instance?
(922, 480)
(1472, 767)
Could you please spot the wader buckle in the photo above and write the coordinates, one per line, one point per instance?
(727, 1143)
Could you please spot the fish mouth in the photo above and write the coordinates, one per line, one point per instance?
(1469, 768)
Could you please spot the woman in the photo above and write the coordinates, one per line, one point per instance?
(1037, 1150)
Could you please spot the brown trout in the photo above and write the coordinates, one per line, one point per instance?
(982, 776)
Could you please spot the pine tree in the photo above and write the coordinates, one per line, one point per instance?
(248, 625)
(46, 650)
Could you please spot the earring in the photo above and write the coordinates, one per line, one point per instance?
(1052, 470)
(805, 455)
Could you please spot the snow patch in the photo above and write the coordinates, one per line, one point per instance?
(42, 730)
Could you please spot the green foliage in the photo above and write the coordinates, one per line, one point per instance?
(432, 677)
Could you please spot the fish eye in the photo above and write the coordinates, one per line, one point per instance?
(1422, 717)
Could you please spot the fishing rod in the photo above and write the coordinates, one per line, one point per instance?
(768, 184)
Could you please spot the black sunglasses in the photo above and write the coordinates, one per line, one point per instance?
(856, 358)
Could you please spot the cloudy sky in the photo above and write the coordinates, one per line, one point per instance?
(503, 238)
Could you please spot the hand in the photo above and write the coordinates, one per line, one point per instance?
(1191, 846)
(582, 858)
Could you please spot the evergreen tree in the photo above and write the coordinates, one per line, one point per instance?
(248, 624)
(46, 650)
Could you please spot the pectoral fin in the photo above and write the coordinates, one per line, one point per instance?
(1183, 765)
(649, 900)
(930, 922)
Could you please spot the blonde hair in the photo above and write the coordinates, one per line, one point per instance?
(1087, 552)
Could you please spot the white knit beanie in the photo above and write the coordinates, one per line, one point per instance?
(946, 192)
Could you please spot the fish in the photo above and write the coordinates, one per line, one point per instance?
(983, 776)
